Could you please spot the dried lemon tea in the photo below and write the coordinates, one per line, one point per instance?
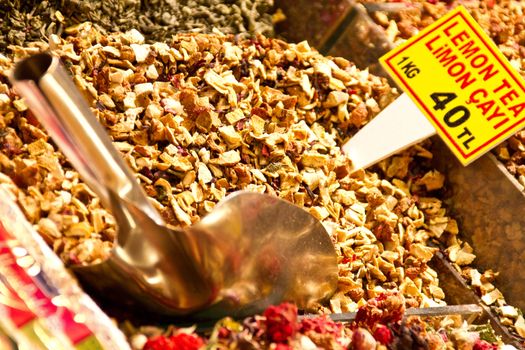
(212, 114)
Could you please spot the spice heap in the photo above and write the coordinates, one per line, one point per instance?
(25, 21)
(504, 22)
(379, 325)
(209, 115)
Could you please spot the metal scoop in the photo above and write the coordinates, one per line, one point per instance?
(252, 250)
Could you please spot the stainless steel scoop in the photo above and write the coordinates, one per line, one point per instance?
(252, 250)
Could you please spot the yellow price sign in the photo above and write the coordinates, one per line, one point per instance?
(463, 84)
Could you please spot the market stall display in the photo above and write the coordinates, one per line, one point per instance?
(207, 115)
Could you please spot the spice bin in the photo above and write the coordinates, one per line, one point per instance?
(218, 165)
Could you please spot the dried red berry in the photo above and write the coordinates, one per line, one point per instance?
(159, 342)
(383, 335)
(183, 341)
(281, 322)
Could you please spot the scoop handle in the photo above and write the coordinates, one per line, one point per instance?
(53, 97)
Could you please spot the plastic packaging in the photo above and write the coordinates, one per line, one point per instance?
(50, 309)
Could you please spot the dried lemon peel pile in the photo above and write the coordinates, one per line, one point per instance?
(208, 115)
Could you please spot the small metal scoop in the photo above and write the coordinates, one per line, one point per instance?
(251, 251)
